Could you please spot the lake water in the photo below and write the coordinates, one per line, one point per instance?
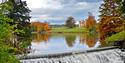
(60, 42)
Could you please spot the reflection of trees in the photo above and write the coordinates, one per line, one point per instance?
(70, 39)
(41, 37)
(89, 38)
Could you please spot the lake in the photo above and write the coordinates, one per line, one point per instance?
(60, 42)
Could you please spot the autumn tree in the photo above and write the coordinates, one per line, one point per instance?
(119, 38)
(111, 20)
(70, 22)
(39, 26)
(90, 22)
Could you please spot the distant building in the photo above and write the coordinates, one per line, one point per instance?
(82, 23)
(89, 22)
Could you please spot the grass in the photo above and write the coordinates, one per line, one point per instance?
(68, 30)
(116, 37)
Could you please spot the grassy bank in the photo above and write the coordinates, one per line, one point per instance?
(68, 30)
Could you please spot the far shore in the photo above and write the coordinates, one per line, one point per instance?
(65, 30)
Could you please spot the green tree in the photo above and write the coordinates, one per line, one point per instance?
(20, 14)
(8, 27)
(6, 30)
(121, 4)
(6, 51)
(18, 11)
(70, 22)
(123, 8)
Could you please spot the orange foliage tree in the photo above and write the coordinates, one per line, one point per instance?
(90, 23)
(109, 25)
(39, 26)
(111, 21)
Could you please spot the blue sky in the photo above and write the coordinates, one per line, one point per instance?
(57, 11)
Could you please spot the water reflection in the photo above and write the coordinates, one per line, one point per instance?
(41, 37)
(70, 39)
(63, 41)
(89, 38)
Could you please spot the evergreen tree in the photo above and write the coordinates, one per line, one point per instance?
(70, 22)
(20, 15)
(6, 30)
(123, 8)
(121, 4)
(110, 8)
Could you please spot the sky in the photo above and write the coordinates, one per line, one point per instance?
(57, 11)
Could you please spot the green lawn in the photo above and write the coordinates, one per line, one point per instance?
(68, 30)
(117, 37)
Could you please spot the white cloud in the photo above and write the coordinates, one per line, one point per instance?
(34, 3)
(82, 5)
(44, 4)
(57, 10)
(0, 1)
(47, 17)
